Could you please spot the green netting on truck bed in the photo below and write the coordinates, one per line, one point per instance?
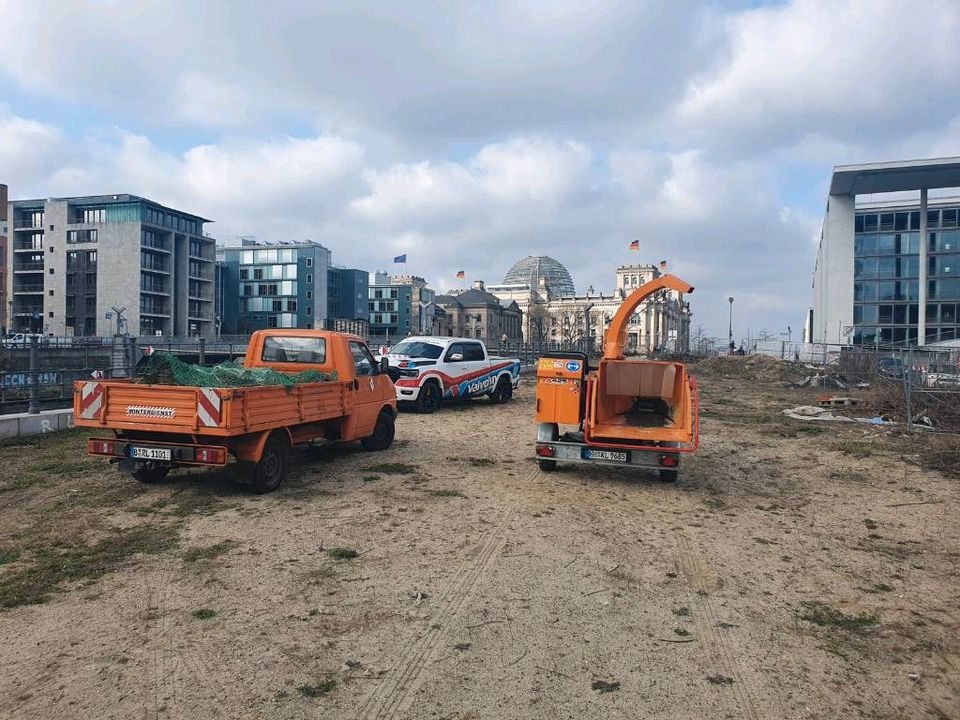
(167, 369)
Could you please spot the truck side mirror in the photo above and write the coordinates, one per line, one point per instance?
(456, 357)
(384, 365)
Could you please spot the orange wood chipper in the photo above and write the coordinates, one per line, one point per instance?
(628, 412)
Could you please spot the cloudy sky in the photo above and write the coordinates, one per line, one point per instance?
(470, 137)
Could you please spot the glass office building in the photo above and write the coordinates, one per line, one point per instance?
(886, 282)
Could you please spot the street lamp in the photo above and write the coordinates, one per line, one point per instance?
(731, 325)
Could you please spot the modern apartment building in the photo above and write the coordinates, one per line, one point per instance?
(274, 285)
(888, 265)
(347, 293)
(4, 259)
(75, 261)
(400, 305)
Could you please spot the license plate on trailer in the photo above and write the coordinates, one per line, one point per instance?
(614, 455)
(146, 453)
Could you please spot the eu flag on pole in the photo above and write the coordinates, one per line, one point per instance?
(400, 258)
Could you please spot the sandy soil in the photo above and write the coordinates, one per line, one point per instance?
(789, 574)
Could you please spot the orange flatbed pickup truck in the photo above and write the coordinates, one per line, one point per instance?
(159, 427)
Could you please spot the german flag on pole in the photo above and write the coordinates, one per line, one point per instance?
(461, 275)
(635, 246)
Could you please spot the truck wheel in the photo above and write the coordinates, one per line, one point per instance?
(270, 471)
(383, 433)
(150, 475)
(669, 475)
(547, 465)
(429, 398)
(503, 393)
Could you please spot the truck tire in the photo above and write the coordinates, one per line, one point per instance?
(151, 475)
(383, 433)
(429, 398)
(547, 465)
(269, 472)
(503, 392)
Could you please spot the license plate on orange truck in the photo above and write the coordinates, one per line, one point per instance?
(609, 455)
(149, 453)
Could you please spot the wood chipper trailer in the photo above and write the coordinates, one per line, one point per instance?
(627, 412)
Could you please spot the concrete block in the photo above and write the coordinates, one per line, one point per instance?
(9, 426)
(65, 419)
(38, 424)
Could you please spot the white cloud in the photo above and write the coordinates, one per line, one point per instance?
(850, 70)
(29, 150)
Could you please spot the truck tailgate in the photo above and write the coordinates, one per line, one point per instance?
(124, 405)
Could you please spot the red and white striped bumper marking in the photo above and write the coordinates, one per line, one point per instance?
(91, 400)
(209, 404)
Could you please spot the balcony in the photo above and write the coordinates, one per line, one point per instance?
(29, 246)
(150, 265)
(28, 289)
(28, 267)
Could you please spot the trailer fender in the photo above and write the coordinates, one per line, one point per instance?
(250, 447)
(547, 432)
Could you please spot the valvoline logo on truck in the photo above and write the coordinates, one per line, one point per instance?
(481, 383)
(573, 366)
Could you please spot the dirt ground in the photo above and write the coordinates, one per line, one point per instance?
(794, 571)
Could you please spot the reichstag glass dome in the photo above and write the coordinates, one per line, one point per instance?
(534, 267)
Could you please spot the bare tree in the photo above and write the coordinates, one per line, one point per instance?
(571, 325)
(539, 318)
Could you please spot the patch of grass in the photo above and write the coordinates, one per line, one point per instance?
(194, 502)
(681, 611)
(851, 448)
(719, 680)
(481, 462)
(604, 686)
(51, 565)
(203, 614)
(342, 553)
(313, 577)
(396, 468)
(446, 492)
(681, 632)
(823, 615)
(319, 690)
(871, 524)
(8, 555)
(370, 478)
(764, 541)
(209, 552)
(714, 503)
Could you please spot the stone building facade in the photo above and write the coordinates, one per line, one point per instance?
(479, 314)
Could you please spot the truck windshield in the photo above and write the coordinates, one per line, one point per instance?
(417, 350)
(294, 350)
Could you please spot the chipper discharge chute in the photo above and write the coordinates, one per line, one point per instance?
(628, 412)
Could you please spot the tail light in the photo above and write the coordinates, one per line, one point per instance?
(214, 456)
(669, 460)
(101, 447)
(546, 451)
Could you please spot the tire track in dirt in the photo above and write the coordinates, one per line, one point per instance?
(395, 692)
(705, 581)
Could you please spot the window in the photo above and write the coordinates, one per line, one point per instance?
(294, 349)
(51, 271)
(455, 349)
(473, 351)
(258, 273)
(310, 297)
(309, 262)
(291, 305)
(278, 305)
(309, 279)
(309, 310)
(51, 248)
(244, 274)
(362, 359)
(81, 236)
(901, 221)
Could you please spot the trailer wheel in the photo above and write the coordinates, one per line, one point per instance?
(383, 433)
(151, 475)
(669, 475)
(547, 465)
(270, 471)
(503, 393)
(429, 398)
(547, 432)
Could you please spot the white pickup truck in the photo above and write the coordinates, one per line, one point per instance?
(427, 370)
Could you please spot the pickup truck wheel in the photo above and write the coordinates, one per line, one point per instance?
(383, 433)
(503, 393)
(270, 471)
(150, 475)
(429, 398)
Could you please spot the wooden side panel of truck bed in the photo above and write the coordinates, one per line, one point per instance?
(218, 412)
